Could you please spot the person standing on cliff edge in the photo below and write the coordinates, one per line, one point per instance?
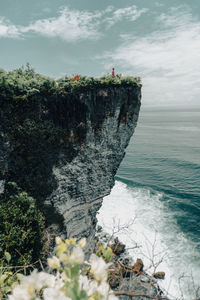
(113, 72)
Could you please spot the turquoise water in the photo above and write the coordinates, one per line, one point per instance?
(158, 186)
(164, 156)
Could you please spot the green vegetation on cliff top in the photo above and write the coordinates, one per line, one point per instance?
(25, 81)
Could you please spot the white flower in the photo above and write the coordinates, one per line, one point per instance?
(58, 240)
(99, 268)
(38, 280)
(103, 289)
(64, 258)
(59, 281)
(77, 256)
(54, 263)
(112, 297)
(82, 242)
(64, 277)
(46, 280)
(20, 293)
(31, 284)
(90, 286)
(54, 293)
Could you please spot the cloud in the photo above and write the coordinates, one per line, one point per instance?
(168, 60)
(69, 25)
(178, 17)
(72, 25)
(8, 30)
(130, 13)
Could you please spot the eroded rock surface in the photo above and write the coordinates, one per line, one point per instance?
(65, 150)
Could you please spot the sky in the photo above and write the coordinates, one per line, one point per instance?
(156, 40)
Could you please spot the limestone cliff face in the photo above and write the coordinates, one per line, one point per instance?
(89, 176)
(65, 151)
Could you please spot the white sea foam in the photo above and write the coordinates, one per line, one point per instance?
(155, 231)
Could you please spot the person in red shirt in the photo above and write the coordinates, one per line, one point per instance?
(113, 72)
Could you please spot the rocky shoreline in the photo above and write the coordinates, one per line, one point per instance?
(128, 278)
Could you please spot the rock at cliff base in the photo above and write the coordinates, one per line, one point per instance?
(159, 275)
(138, 266)
(117, 247)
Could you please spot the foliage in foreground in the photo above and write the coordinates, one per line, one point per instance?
(71, 277)
(21, 226)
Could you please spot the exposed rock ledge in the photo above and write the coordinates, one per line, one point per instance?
(65, 148)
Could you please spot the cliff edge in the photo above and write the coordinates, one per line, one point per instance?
(63, 141)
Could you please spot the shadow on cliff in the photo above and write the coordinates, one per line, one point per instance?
(47, 130)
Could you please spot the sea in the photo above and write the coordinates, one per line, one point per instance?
(154, 206)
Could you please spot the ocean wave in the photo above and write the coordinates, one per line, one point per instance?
(156, 233)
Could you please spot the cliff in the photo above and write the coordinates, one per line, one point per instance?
(63, 141)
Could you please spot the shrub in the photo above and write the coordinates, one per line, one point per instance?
(23, 83)
(21, 226)
(82, 83)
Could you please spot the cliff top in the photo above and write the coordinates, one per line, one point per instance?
(25, 81)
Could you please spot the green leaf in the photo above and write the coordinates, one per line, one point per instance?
(99, 251)
(3, 278)
(75, 271)
(69, 291)
(83, 295)
(107, 253)
(7, 256)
